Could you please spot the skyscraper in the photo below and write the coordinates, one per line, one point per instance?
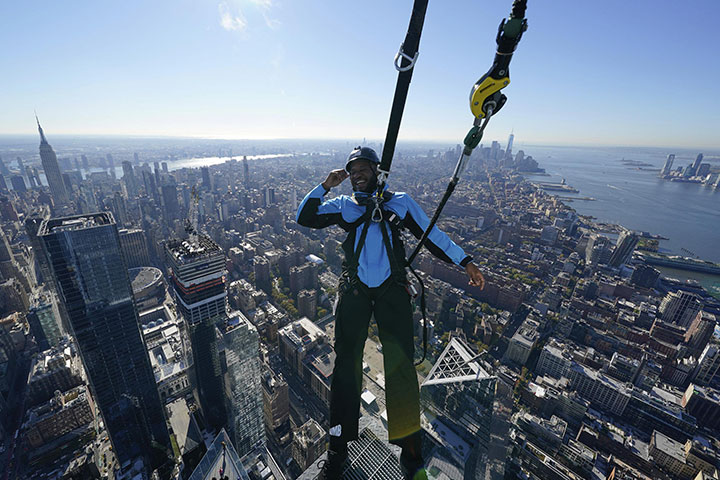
(30, 177)
(92, 282)
(171, 206)
(156, 170)
(508, 150)
(129, 177)
(626, 243)
(111, 164)
(708, 368)
(150, 185)
(696, 163)
(36, 174)
(242, 383)
(18, 184)
(205, 172)
(246, 171)
(44, 320)
(598, 249)
(3, 168)
(134, 247)
(220, 461)
(197, 271)
(473, 404)
(52, 170)
(667, 168)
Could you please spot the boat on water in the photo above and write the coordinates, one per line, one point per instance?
(557, 187)
(681, 263)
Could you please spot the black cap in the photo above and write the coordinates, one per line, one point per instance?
(365, 153)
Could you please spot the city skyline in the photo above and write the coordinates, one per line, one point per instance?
(192, 287)
(195, 288)
(250, 69)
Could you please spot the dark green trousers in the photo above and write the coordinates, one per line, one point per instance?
(390, 303)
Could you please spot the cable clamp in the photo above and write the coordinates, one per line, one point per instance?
(400, 55)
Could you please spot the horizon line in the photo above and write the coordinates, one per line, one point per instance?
(534, 142)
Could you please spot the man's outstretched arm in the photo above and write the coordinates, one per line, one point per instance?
(313, 212)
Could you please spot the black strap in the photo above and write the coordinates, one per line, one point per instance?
(423, 312)
(396, 269)
(509, 35)
(448, 192)
(355, 261)
(410, 49)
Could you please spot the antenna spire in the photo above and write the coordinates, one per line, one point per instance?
(42, 134)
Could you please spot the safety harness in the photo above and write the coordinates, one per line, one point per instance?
(395, 249)
(486, 99)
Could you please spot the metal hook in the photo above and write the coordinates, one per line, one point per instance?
(377, 213)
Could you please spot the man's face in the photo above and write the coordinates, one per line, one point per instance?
(363, 176)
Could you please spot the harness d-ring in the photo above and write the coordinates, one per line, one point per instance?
(400, 55)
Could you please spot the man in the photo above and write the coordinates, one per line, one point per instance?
(374, 282)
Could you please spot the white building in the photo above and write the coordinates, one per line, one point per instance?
(555, 360)
(603, 391)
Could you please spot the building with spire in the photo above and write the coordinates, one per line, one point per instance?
(52, 169)
(508, 149)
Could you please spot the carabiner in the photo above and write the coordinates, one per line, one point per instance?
(377, 213)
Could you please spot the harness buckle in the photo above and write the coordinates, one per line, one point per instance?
(402, 55)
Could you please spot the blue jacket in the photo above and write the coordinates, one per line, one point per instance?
(374, 265)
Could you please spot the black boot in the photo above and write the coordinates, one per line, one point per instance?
(412, 467)
(411, 461)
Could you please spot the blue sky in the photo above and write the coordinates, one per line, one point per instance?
(637, 72)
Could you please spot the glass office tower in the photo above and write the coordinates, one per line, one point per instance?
(92, 281)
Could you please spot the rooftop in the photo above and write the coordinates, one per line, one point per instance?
(669, 446)
(75, 222)
(261, 465)
(527, 334)
(601, 377)
(323, 359)
(445, 436)
(302, 332)
(310, 432)
(143, 277)
(707, 393)
(457, 363)
(186, 251)
(184, 426)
